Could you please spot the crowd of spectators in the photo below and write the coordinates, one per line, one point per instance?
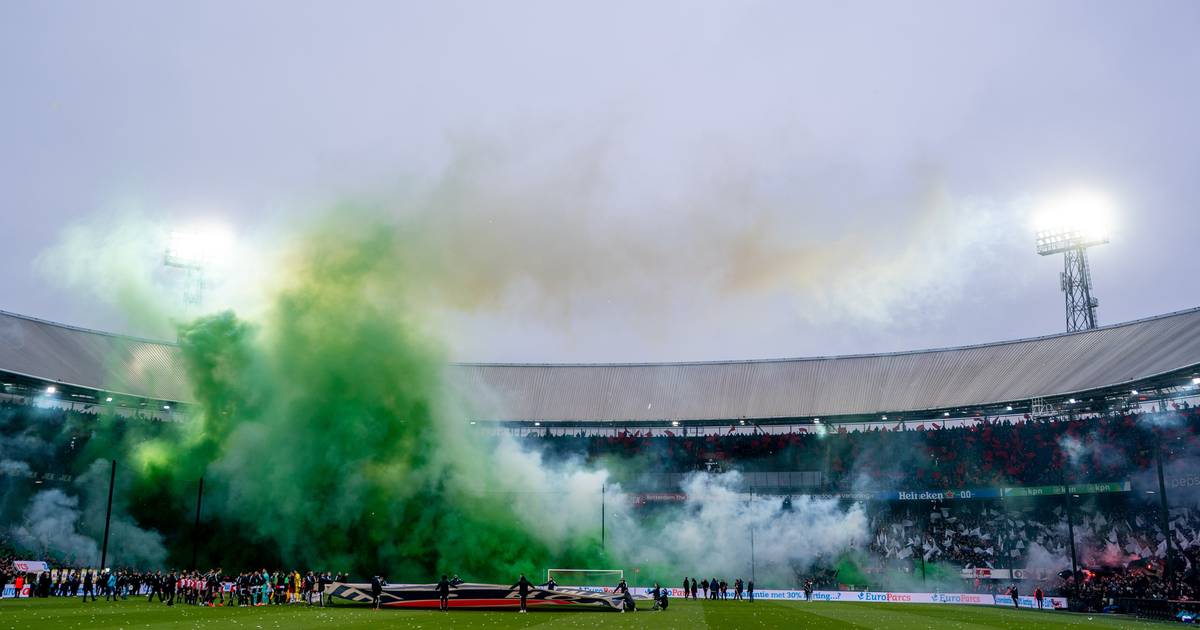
(988, 453)
(1120, 546)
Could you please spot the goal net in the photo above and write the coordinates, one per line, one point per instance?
(585, 577)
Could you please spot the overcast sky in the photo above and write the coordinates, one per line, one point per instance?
(635, 180)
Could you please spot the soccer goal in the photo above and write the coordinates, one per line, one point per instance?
(585, 577)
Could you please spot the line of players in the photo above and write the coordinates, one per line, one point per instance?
(718, 589)
(254, 588)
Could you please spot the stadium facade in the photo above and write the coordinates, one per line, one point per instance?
(1086, 371)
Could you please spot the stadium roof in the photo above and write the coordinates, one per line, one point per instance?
(970, 376)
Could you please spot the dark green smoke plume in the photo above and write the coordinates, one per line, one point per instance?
(328, 438)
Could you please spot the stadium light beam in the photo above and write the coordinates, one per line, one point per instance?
(1069, 225)
(197, 252)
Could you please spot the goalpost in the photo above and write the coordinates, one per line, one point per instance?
(585, 577)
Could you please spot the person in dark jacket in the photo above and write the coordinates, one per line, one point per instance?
(523, 587)
(376, 591)
(443, 590)
(172, 583)
(155, 583)
(694, 588)
(750, 589)
(89, 586)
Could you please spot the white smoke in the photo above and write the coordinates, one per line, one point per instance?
(49, 529)
(1039, 557)
(128, 545)
(707, 535)
(711, 532)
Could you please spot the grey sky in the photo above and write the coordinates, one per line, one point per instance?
(763, 140)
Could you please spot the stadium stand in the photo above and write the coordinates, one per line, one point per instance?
(992, 453)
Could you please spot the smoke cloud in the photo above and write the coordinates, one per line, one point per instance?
(327, 437)
(49, 530)
(719, 531)
(559, 235)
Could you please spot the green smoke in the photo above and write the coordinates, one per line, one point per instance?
(328, 437)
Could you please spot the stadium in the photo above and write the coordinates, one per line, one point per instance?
(599, 315)
(977, 468)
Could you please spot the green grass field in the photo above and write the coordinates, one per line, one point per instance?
(134, 615)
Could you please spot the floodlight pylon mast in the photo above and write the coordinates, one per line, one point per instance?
(1076, 277)
(1077, 290)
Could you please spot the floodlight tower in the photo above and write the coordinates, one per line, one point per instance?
(185, 252)
(195, 253)
(1078, 225)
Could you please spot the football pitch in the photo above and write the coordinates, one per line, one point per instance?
(131, 615)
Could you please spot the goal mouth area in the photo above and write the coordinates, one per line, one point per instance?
(586, 577)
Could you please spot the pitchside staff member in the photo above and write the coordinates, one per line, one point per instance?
(523, 587)
(89, 587)
(376, 591)
(443, 590)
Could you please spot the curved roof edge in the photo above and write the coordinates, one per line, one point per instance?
(1194, 309)
(842, 385)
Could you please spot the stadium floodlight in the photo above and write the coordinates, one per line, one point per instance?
(197, 252)
(537, 424)
(674, 423)
(1069, 225)
(50, 391)
(1008, 408)
(817, 420)
(198, 248)
(108, 399)
(166, 407)
(1133, 393)
(1071, 401)
(1196, 380)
